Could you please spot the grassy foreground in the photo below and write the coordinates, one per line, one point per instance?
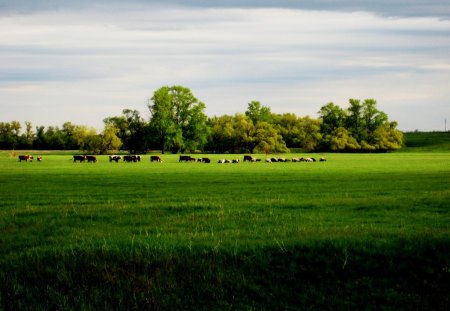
(360, 231)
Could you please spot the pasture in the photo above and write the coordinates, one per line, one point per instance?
(359, 231)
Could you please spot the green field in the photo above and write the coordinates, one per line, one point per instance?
(359, 231)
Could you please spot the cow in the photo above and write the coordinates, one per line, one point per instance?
(268, 160)
(221, 161)
(236, 161)
(206, 160)
(131, 158)
(91, 158)
(79, 158)
(155, 158)
(185, 158)
(306, 160)
(249, 158)
(115, 158)
(25, 158)
(322, 159)
(39, 158)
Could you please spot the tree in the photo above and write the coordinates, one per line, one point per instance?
(355, 121)
(258, 113)
(373, 119)
(109, 139)
(332, 117)
(299, 132)
(68, 130)
(178, 119)
(83, 137)
(131, 129)
(29, 135)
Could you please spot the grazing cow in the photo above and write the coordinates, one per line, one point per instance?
(322, 159)
(39, 158)
(185, 158)
(273, 159)
(25, 158)
(236, 161)
(221, 161)
(206, 160)
(79, 158)
(268, 160)
(131, 158)
(155, 158)
(91, 158)
(249, 158)
(115, 158)
(295, 159)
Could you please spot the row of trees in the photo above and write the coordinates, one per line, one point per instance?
(178, 124)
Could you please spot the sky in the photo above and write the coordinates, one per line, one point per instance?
(83, 61)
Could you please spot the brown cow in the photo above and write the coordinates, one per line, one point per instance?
(39, 158)
(155, 158)
(25, 158)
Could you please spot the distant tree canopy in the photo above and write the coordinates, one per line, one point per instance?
(178, 124)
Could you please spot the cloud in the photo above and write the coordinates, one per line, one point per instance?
(86, 63)
(401, 8)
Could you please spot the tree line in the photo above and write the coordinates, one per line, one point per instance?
(178, 124)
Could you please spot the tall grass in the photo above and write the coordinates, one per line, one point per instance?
(340, 234)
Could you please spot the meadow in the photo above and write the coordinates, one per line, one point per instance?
(359, 231)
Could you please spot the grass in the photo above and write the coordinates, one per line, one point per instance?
(360, 231)
(427, 141)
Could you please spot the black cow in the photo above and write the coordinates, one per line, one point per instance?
(249, 158)
(155, 158)
(186, 158)
(131, 158)
(79, 158)
(206, 160)
(91, 158)
(25, 158)
(115, 158)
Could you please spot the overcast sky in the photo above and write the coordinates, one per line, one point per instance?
(83, 61)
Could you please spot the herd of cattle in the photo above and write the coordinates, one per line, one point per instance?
(183, 158)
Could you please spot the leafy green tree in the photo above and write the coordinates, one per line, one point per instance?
(29, 135)
(7, 139)
(340, 139)
(387, 137)
(109, 141)
(83, 137)
(178, 119)
(258, 113)
(332, 117)
(372, 120)
(131, 129)
(355, 121)
(222, 136)
(299, 132)
(68, 130)
(267, 139)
